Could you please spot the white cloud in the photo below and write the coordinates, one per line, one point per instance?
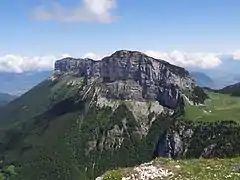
(200, 60)
(236, 55)
(19, 64)
(92, 56)
(87, 11)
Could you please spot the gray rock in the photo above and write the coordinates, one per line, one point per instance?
(208, 151)
(236, 169)
(133, 75)
(170, 146)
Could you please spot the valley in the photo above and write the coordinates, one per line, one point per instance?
(218, 107)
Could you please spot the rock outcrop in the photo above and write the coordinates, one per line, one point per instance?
(133, 75)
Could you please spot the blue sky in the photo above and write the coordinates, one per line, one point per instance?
(174, 29)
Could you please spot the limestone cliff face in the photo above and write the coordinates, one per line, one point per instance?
(132, 75)
(148, 87)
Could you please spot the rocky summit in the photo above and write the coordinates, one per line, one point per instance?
(132, 75)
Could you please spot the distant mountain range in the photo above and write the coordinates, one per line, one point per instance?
(6, 98)
(227, 73)
(19, 83)
(203, 80)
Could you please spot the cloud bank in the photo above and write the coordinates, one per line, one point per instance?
(86, 11)
(200, 60)
(236, 55)
(93, 56)
(19, 64)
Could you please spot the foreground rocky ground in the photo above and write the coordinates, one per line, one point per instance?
(211, 169)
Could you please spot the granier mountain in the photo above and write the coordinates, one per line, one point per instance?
(91, 116)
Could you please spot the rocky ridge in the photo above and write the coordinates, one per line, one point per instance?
(131, 75)
(148, 87)
(152, 90)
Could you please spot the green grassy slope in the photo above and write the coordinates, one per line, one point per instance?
(45, 134)
(37, 100)
(36, 129)
(233, 90)
(217, 107)
(51, 133)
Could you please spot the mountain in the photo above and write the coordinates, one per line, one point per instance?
(226, 80)
(89, 114)
(19, 83)
(202, 79)
(233, 90)
(6, 98)
(225, 74)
